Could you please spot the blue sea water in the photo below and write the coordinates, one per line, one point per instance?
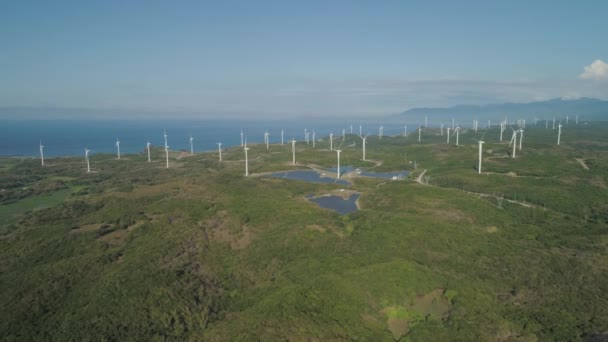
(71, 137)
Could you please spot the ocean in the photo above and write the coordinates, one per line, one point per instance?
(71, 137)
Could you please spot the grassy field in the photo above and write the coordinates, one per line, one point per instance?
(135, 251)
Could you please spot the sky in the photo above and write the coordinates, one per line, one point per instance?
(297, 58)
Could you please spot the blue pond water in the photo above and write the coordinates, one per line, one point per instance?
(343, 169)
(308, 176)
(336, 203)
(385, 175)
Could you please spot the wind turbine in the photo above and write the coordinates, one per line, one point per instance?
(148, 148)
(457, 134)
(360, 130)
(502, 129)
(293, 151)
(267, 139)
(480, 155)
(554, 122)
(380, 132)
(86, 157)
(191, 145)
(282, 134)
(331, 141)
(442, 129)
(559, 133)
(514, 142)
(426, 121)
(351, 129)
(241, 137)
(314, 138)
(364, 140)
(219, 149)
(41, 153)
(118, 148)
(419, 133)
(405, 130)
(521, 137)
(167, 154)
(338, 169)
(165, 135)
(343, 134)
(306, 135)
(448, 134)
(246, 160)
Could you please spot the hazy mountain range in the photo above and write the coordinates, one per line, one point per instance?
(586, 108)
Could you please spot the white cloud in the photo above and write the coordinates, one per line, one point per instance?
(597, 70)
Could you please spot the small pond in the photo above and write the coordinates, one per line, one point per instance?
(337, 203)
(385, 175)
(308, 176)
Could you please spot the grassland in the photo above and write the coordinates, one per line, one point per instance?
(134, 251)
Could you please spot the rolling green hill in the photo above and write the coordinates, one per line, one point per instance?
(134, 251)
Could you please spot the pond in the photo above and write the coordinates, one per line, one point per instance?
(337, 203)
(308, 176)
(385, 175)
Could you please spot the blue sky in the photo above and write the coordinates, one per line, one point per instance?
(294, 58)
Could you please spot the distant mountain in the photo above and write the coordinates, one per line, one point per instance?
(587, 108)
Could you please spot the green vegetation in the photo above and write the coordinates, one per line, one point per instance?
(134, 251)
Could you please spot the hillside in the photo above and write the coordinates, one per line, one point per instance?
(135, 251)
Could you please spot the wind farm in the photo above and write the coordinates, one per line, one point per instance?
(304, 171)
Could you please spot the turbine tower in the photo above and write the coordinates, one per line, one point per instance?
(293, 151)
(41, 154)
(457, 135)
(219, 149)
(191, 145)
(405, 130)
(448, 134)
(165, 135)
(246, 160)
(442, 129)
(282, 134)
(364, 141)
(331, 141)
(419, 133)
(514, 142)
(559, 133)
(241, 137)
(338, 169)
(148, 148)
(314, 138)
(521, 137)
(86, 157)
(167, 154)
(267, 139)
(118, 148)
(480, 155)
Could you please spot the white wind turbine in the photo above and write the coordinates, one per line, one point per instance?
(457, 134)
(293, 151)
(338, 170)
(267, 139)
(419, 133)
(441, 128)
(380, 132)
(364, 141)
(314, 138)
(86, 157)
(502, 129)
(521, 137)
(282, 134)
(331, 141)
(306, 135)
(448, 134)
(360, 130)
(480, 155)
(41, 153)
(118, 148)
(343, 134)
(245, 149)
(165, 135)
(351, 129)
(148, 148)
(241, 137)
(219, 149)
(514, 142)
(559, 133)
(405, 130)
(167, 154)
(191, 145)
